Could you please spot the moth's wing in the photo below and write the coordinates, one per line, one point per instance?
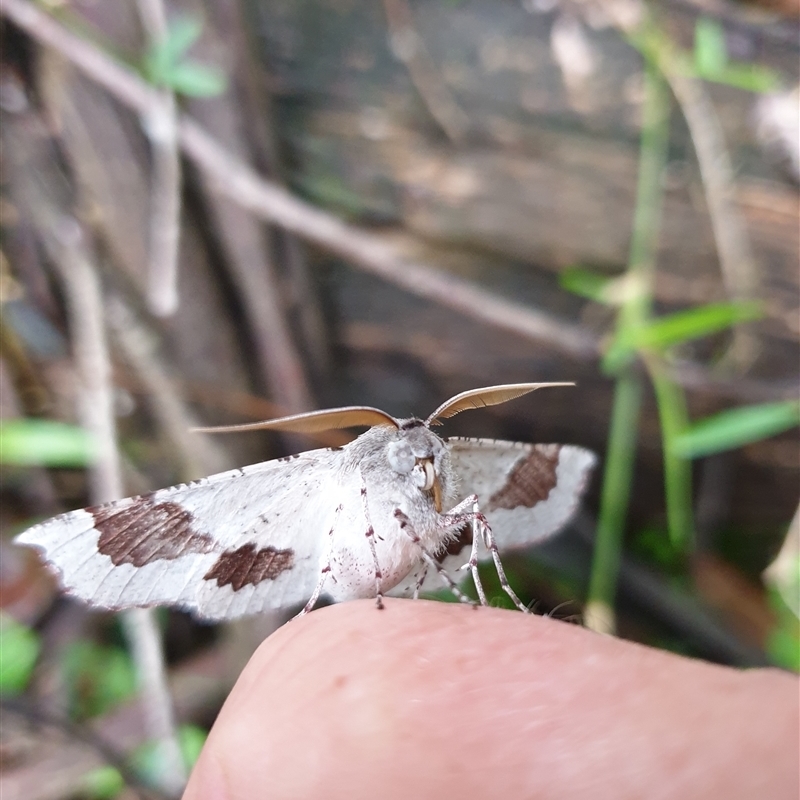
(527, 492)
(236, 543)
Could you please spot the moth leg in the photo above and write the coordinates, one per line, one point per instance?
(480, 524)
(460, 513)
(420, 581)
(463, 512)
(473, 555)
(325, 570)
(501, 573)
(405, 524)
(371, 539)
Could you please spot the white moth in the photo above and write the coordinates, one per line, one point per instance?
(349, 522)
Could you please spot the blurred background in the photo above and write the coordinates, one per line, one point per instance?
(219, 212)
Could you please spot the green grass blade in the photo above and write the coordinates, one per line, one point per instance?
(710, 49)
(736, 427)
(674, 419)
(195, 80)
(44, 443)
(585, 283)
(694, 323)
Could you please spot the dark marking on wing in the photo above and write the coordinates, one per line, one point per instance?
(146, 531)
(247, 565)
(530, 481)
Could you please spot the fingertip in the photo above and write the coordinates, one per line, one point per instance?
(430, 699)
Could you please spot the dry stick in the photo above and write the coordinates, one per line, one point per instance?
(274, 204)
(254, 102)
(50, 783)
(64, 241)
(271, 202)
(160, 123)
(58, 769)
(199, 455)
(730, 230)
(408, 47)
(250, 264)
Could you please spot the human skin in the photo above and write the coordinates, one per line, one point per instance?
(435, 700)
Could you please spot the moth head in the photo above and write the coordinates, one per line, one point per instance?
(401, 457)
(417, 452)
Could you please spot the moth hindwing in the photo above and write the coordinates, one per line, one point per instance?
(350, 522)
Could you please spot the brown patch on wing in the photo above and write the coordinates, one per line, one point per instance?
(531, 480)
(146, 531)
(247, 565)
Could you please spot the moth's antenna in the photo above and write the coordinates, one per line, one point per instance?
(488, 396)
(314, 421)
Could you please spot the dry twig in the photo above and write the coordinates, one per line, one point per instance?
(730, 229)
(160, 122)
(273, 203)
(64, 241)
(199, 455)
(408, 47)
(58, 769)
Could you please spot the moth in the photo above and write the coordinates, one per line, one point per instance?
(392, 510)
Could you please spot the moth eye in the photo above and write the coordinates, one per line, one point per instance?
(400, 457)
(425, 475)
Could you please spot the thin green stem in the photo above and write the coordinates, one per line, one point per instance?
(649, 195)
(621, 450)
(617, 482)
(677, 470)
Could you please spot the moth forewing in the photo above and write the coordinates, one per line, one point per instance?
(527, 491)
(347, 522)
(233, 542)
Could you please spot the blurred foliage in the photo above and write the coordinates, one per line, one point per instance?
(653, 545)
(165, 65)
(147, 760)
(653, 341)
(19, 649)
(711, 62)
(106, 782)
(97, 677)
(783, 644)
(103, 783)
(659, 334)
(44, 443)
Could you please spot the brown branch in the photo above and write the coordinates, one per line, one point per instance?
(249, 262)
(66, 244)
(408, 47)
(58, 769)
(251, 101)
(198, 455)
(274, 204)
(160, 125)
(735, 253)
(84, 299)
